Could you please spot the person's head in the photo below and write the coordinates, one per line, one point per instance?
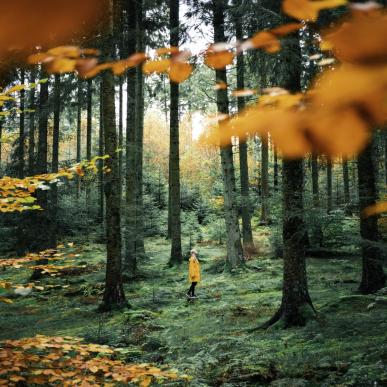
(194, 252)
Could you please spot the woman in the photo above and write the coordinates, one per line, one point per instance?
(193, 273)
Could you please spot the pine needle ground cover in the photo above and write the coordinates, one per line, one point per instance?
(212, 340)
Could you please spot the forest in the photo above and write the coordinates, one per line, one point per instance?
(193, 193)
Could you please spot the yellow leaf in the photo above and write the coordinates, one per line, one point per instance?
(244, 93)
(6, 300)
(308, 9)
(218, 59)
(61, 65)
(376, 209)
(15, 88)
(156, 66)
(286, 29)
(179, 71)
(266, 40)
(67, 51)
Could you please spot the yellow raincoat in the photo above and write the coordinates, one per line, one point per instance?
(194, 269)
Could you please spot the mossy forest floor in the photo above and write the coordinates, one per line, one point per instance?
(209, 338)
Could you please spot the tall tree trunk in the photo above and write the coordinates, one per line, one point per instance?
(347, 197)
(130, 262)
(385, 157)
(296, 305)
(264, 181)
(247, 233)
(89, 97)
(174, 156)
(373, 277)
(101, 163)
(234, 246)
(21, 127)
(55, 160)
(275, 168)
(139, 132)
(1, 149)
(317, 234)
(121, 126)
(79, 133)
(42, 240)
(329, 186)
(31, 130)
(113, 296)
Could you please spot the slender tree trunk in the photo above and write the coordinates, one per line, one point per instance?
(89, 97)
(21, 127)
(101, 152)
(55, 160)
(42, 240)
(139, 132)
(275, 168)
(347, 197)
(79, 134)
(329, 186)
(234, 246)
(317, 234)
(131, 231)
(174, 156)
(385, 157)
(373, 277)
(264, 181)
(247, 234)
(113, 296)
(121, 126)
(31, 130)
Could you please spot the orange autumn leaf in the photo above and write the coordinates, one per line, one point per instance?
(167, 50)
(309, 9)
(156, 66)
(61, 65)
(360, 40)
(66, 51)
(96, 70)
(179, 71)
(218, 59)
(375, 209)
(85, 66)
(134, 60)
(285, 29)
(265, 40)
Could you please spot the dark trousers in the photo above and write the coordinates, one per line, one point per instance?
(191, 290)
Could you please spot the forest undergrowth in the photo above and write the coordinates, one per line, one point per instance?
(211, 339)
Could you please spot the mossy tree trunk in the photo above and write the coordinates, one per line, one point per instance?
(31, 126)
(89, 98)
(21, 127)
(264, 180)
(373, 277)
(79, 133)
(130, 263)
(113, 296)
(101, 201)
(296, 306)
(174, 156)
(329, 186)
(247, 233)
(234, 246)
(55, 158)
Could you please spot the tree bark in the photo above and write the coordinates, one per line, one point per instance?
(296, 306)
(174, 156)
(55, 159)
(234, 246)
(373, 277)
(101, 152)
(275, 168)
(247, 234)
(130, 263)
(79, 134)
(329, 186)
(121, 126)
(31, 130)
(89, 97)
(139, 132)
(21, 128)
(264, 181)
(113, 296)
(317, 234)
